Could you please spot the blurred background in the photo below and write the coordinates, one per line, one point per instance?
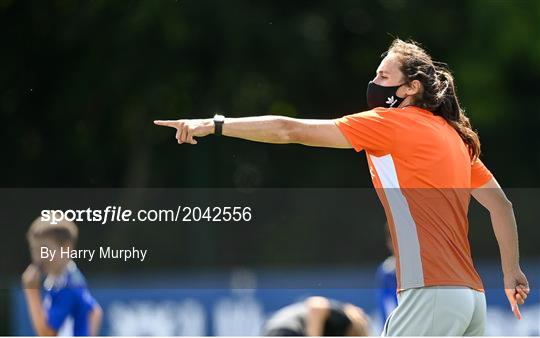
(81, 82)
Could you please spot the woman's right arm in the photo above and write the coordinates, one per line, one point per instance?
(267, 129)
(493, 198)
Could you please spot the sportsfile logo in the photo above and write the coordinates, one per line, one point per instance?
(178, 214)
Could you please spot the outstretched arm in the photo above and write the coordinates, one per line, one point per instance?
(493, 198)
(267, 129)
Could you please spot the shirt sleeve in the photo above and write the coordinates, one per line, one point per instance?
(61, 306)
(372, 130)
(480, 174)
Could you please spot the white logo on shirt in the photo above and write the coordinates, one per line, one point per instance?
(391, 101)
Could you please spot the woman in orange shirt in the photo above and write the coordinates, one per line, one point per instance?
(424, 161)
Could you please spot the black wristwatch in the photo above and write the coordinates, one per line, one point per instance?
(218, 124)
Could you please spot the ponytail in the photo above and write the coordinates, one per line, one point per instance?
(449, 108)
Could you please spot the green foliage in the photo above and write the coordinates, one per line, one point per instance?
(82, 81)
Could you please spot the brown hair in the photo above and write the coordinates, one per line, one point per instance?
(439, 93)
(63, 232)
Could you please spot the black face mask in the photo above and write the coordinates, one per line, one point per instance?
(381, 96)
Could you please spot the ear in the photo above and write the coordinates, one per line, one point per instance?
(414, 88)
(410, 89)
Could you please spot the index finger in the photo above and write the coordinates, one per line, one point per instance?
(517, 313)
(511, 295)
(166, 123)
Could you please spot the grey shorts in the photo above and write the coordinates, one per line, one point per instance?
(438, 311)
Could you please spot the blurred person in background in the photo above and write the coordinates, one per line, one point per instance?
(386, 280)
(67, 308)
(423, 157)
(318, 316)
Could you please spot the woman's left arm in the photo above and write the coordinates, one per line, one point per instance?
(493, 198)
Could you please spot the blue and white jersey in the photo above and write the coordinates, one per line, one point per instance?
(386, 280)
(68, 302)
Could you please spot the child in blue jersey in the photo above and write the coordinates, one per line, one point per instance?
(386, 279)
(67, 308)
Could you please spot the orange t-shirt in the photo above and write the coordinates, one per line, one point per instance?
(422, 172)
